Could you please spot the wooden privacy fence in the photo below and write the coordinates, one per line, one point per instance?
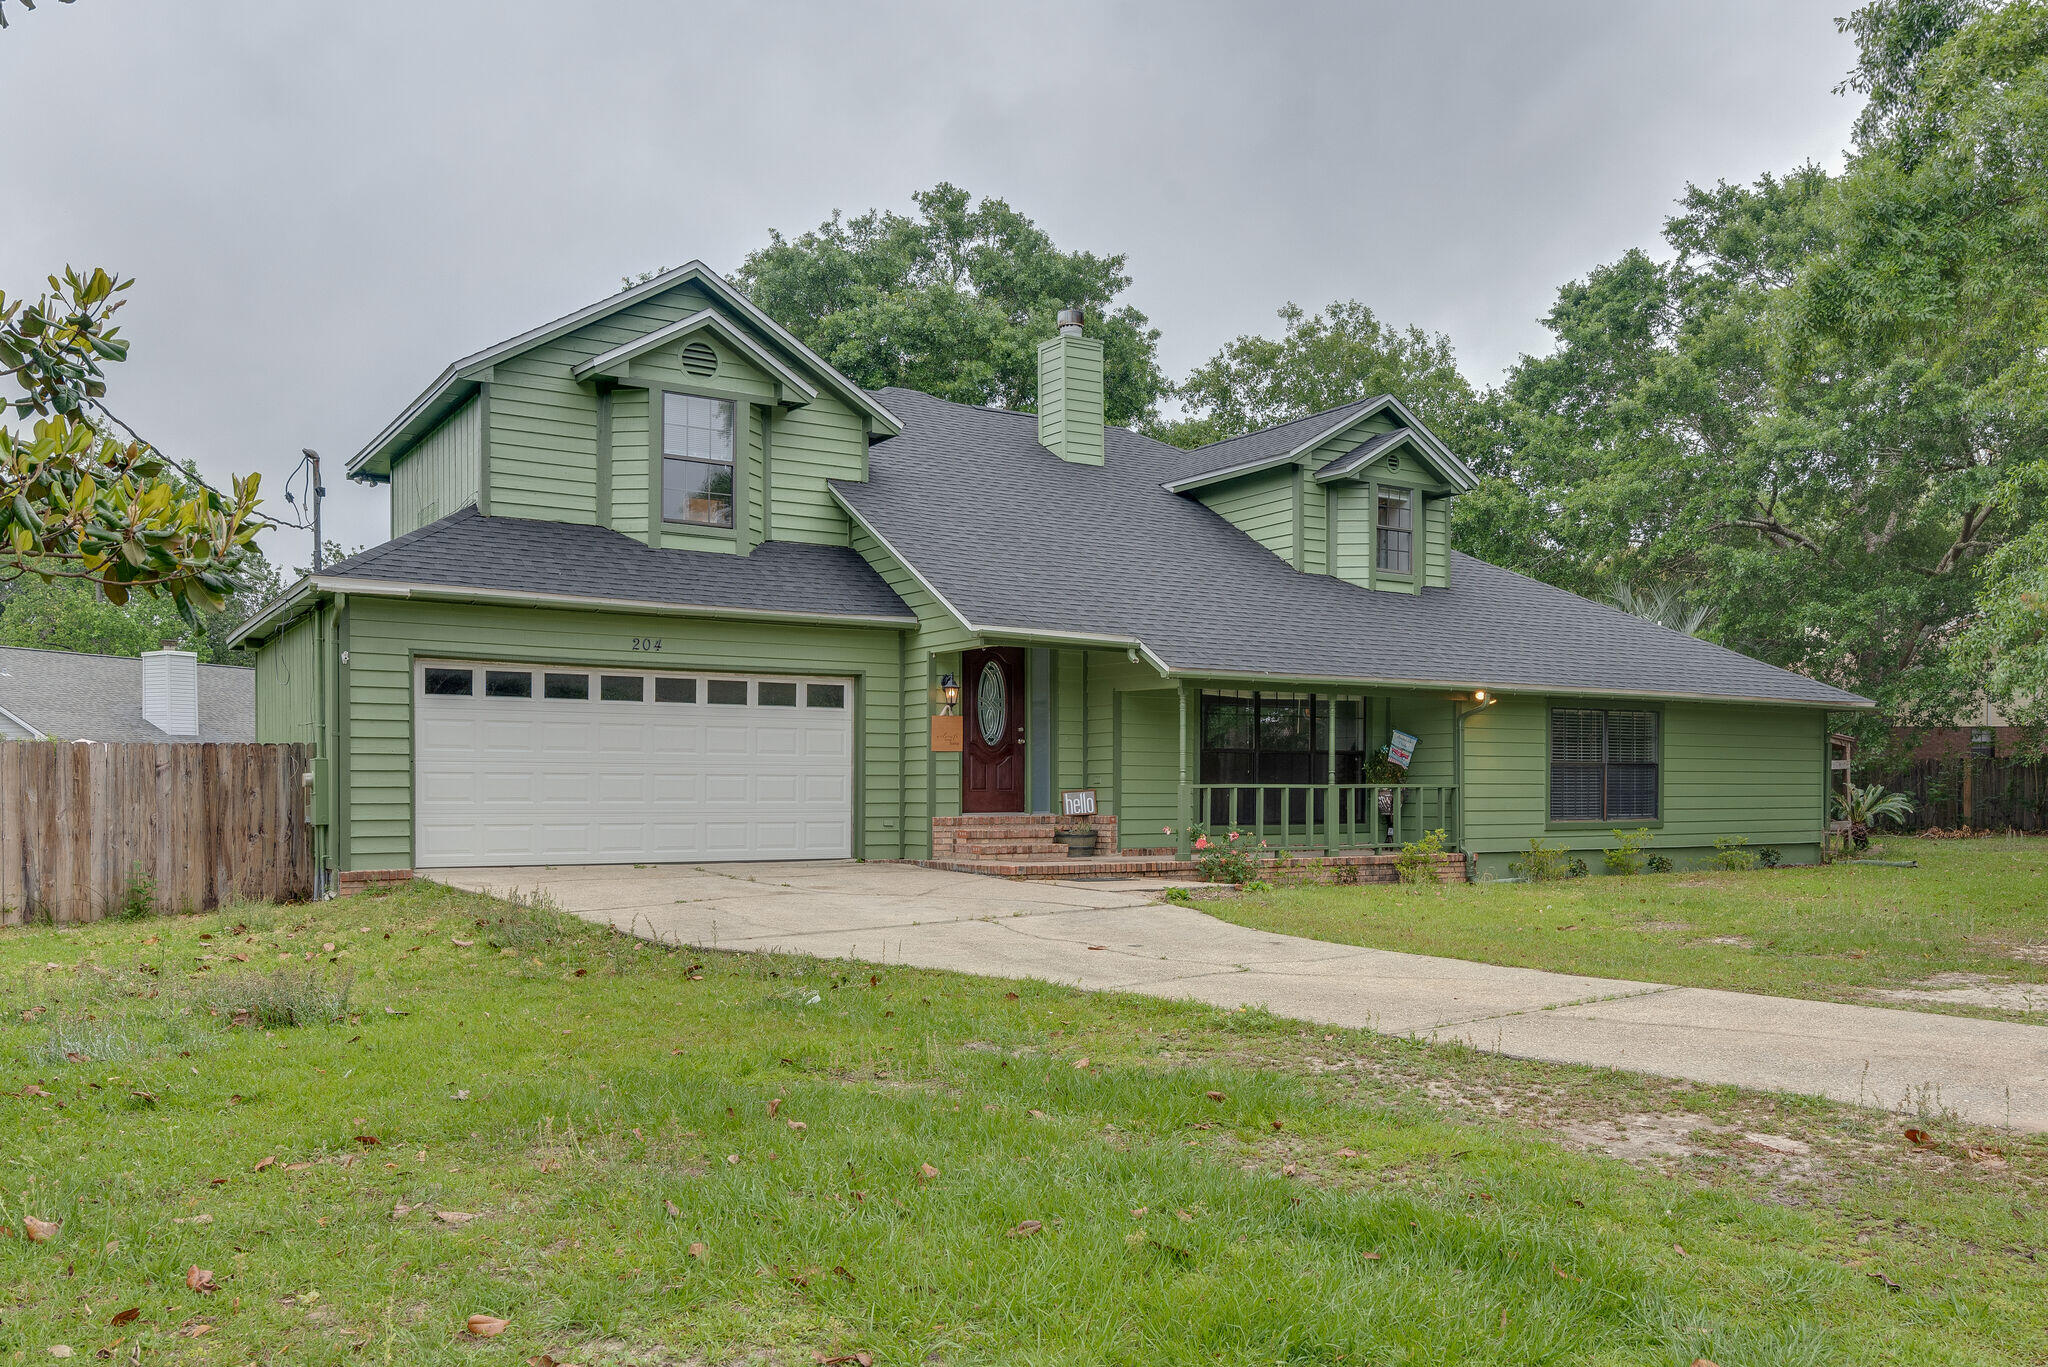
(84, 827)
(1983, 793)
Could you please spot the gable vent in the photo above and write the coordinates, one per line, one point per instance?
(700, 360)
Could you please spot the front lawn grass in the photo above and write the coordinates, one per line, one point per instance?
(1973, 909)
(634, 1154)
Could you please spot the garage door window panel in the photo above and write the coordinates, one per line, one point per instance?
(508, 683)
(568, 687)
(449, 683)
(726, 692)
(776, 695)
(675, 690)
(825, 695)
(622, 688)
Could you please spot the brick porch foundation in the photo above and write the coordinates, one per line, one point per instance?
(1022, 846)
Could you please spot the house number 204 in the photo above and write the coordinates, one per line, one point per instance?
(647, 643)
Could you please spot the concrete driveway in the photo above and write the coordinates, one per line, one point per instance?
(1112, 936)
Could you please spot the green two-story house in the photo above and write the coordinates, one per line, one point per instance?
(663, 586)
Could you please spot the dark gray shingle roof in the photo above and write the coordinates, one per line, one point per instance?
(68, 695)
(468, 550)
(1016, 538)
(1263, 444)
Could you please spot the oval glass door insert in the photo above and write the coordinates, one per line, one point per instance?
(992, 703)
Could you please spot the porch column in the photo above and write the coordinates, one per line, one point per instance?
(1187, 792)
(1331, 840)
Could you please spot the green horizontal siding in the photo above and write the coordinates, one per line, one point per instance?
(385, 635)
(1354, 523)
(1436, 543)
(1728, 770)
(288, 684)
(1259, 505)
(439, 474)
(823, 440)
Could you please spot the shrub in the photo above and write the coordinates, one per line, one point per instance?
(1627, 856)
(1180, 897)
(1733, 852)
(1417, 861)
(1657, 863)
(1227, 858)
(1770, 856)
(1579, 869)
(1541, 863)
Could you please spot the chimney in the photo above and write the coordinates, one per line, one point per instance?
(170, 691)
(1070, 393)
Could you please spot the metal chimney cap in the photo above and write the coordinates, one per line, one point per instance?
(1071, 319)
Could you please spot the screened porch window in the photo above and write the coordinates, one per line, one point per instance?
(1260, 739)
(1396, 532)
(1603, 765)
(696, 460)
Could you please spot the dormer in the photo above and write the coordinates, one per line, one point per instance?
(674, 412)
(1362, 492)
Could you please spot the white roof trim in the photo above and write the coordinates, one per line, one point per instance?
(690, 271)
(16, 719)
(702, 320)
(1460, 472)
(927, 585)
(456, 593)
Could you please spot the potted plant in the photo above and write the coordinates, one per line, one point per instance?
(1079, 840)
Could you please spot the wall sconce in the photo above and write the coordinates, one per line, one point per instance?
(949, 689)
(1480, 695)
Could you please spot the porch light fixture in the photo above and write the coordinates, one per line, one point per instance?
(1480, 695)
(949, 689)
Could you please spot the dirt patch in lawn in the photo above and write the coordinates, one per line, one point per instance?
(1970, 989)
(1662, 927)
(1732, 941)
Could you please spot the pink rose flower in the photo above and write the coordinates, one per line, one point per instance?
(1202, 842)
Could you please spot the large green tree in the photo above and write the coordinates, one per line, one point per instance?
(953, 301)
(1819, 413)
(1321, 360)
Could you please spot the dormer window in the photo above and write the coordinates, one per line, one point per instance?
(1396, 532)
(697, 460)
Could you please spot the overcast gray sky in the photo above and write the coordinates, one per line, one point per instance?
(325, 203)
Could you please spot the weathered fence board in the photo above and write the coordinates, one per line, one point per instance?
(1982, 793)
(81, 825)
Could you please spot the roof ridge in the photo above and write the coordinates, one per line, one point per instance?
(1291, 422)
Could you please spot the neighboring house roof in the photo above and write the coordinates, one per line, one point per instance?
(69, 695)
(1275, 445)
(453, 386)
(531, 560)
(1017, 542)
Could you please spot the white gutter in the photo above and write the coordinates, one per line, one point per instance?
(445, 593)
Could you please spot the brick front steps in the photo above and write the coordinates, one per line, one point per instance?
(1023, 847)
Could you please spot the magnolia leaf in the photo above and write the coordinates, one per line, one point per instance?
(486, 1326)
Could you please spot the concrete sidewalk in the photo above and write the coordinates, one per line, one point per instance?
(1108, 936)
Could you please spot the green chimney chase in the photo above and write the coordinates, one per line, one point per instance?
(1070, 393)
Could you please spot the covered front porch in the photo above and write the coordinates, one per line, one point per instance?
(1321, 772)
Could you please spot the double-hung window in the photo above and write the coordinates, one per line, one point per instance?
(1603, 765)
(697, 439)
(1396, 532)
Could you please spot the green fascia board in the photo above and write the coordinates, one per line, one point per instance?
(1456, 471)
(419, 416)
(613, 363)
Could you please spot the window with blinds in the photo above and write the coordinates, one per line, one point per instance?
(1603, 765)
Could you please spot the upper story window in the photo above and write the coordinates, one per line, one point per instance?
(696, 460)
(1396, 537)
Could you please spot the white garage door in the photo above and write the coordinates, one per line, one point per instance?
(536, 764)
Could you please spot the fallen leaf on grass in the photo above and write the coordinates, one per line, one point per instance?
(1215, 1096)
(1679, 1249)
(1081, 1062)
(40, 1231)
(366, 1140)
(774, 1106)
(926, 1172)
(699, 1252)
(486, 1326)
(863, 1359)
(455, 1217)
(263, 1163)
(193, 1331)
(1290, 1170)
(1704, 1362)
(127, 1316)
(401, 1210)
(799, 1126)
(60, 1350)
(673, 1208)
(199, 1280)
(463, 944)
(1919, 1138)
(1886, 1282)
(1562, 1274)
(1025, 1228)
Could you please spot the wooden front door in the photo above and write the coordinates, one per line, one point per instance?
(992, 763)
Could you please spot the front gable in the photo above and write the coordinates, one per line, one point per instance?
(569, 429)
